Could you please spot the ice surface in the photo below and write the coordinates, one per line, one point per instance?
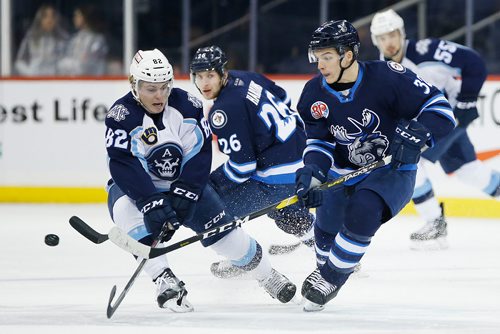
(65, 289)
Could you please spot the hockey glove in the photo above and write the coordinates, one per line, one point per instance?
(157, 214)
(408, 143)
(465, 110)
(307, 178)
(183, 198)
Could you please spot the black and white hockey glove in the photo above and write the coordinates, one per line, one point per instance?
(183, 198)
(408, 142)
(158, 212)
(465, 110)
(307, 178)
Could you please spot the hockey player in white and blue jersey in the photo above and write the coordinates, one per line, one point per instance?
(160, 154)
(263, 138)
(357, 113)
(440, 63)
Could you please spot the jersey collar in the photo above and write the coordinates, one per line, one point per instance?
(352, 91)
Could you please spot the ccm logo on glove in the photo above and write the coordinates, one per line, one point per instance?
(408, 136)
(151, 205)
(185, 193)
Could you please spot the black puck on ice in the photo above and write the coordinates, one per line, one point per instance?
(51, 240)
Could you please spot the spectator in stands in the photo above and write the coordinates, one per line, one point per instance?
(87, 49)
(43, 45)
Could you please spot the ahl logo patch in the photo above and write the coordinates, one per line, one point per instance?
(118, 112)
(319, 109)
(165, 161)
(396, 67)
(150, 136)
(218, 119)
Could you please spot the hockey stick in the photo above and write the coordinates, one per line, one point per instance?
(124, 241)
(112, 308)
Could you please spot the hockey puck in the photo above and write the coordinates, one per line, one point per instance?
(51, 240)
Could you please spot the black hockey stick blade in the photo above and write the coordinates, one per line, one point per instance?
(283, 249)
(111, 310)
(88, 232)
(124, 241)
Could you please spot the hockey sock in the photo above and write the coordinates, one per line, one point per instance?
(245, 252)
(347, 251)
(480, 176)
(324, 242)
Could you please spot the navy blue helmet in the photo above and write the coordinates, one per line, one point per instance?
(340, 35)
(210, 58)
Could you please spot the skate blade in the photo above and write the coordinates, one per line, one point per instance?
(429, 245)
(312, 307)
(174, 306)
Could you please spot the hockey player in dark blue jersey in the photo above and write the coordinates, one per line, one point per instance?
(357, 113)
(263, 138)
(159, 150)
(440, 63)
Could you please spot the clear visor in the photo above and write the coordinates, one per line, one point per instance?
(312, 57)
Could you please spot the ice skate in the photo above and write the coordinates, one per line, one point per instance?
(226, 270)
(309, 281)
(432, 235)
(315, 276)
(278, 286)
(319, 294)
(171, 293)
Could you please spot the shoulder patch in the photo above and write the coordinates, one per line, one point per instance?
(195, 101)
(396, 67)
(422, 46)
(319, 109)
(118, 112)
(218, 119)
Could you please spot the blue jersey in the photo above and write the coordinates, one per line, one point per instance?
(148, 152)
(350, 129)
(453, 68)
(255, 127)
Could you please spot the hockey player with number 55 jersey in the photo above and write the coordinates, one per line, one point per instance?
(459, 72)
(357, 113)
(160, 154)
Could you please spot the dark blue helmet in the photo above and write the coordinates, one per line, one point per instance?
(210, 58)
(340, 35)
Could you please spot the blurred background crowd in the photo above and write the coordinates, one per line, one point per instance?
(73, 38)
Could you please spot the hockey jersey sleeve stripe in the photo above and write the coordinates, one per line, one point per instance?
(440, 105)
(313, 148)
(446, 112)
(232, 176)
(248, 167)
(282, 174)
(281, 169)
(199, 141)
(320, 142)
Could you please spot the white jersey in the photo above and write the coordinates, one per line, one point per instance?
(149, 152)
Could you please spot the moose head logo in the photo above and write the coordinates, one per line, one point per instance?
(368, 144)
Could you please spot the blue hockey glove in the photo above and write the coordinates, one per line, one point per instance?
(465, 110)
(408, 142)
(183, 198)
(157, 213)
(307, 178)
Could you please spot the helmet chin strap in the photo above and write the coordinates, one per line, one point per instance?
(342, 69)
